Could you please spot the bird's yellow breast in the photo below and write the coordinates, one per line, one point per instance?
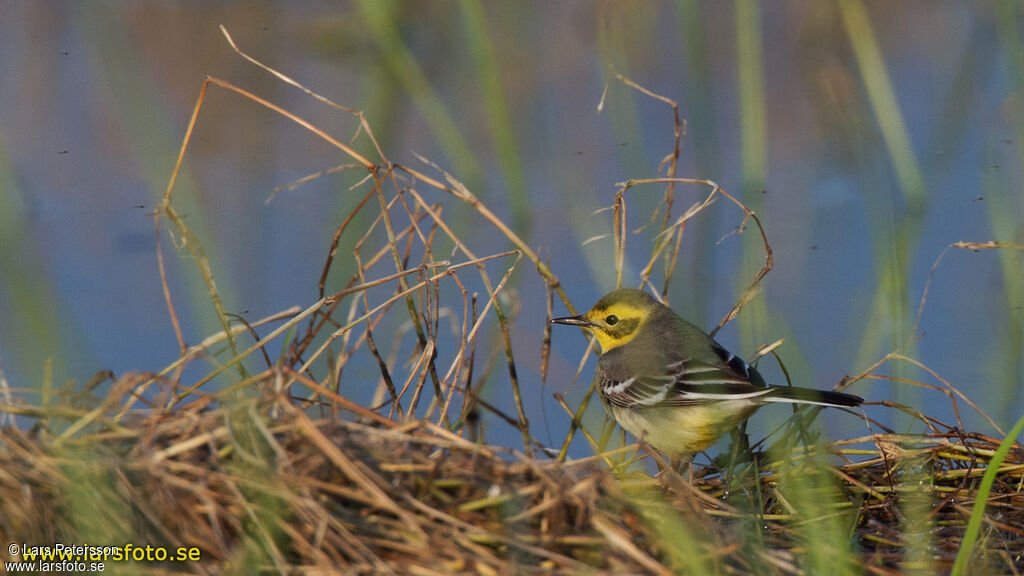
(680, 431)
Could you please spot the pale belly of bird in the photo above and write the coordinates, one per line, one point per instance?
(679, 430)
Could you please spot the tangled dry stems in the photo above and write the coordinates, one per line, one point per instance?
(294, 494)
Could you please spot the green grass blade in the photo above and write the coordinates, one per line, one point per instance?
(978, 512)
(380, 23)
(499, 120)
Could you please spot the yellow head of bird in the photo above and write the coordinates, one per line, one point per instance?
(616, 318)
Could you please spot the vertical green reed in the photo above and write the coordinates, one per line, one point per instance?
(896, 217)
(753, 158)
(500, 123)
(31, 304)
(685, 545)
(757, 324)
(967, 553)
(702, 144)
(90, 503)
(822, 518)
(1003, 368)
(154, 138)
(618, 27)
(380, 18)
(1006, 215)
(897, 225)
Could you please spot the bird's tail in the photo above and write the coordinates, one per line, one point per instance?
(808, 396)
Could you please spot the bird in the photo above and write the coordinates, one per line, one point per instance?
(670, 384)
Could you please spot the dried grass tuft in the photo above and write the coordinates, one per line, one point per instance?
(331, 495)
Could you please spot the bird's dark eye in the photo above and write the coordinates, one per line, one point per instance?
(611, 320)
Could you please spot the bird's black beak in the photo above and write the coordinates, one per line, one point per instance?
(572, 321)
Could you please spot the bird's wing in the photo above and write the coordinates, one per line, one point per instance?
(687, 382)
(636, 391)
